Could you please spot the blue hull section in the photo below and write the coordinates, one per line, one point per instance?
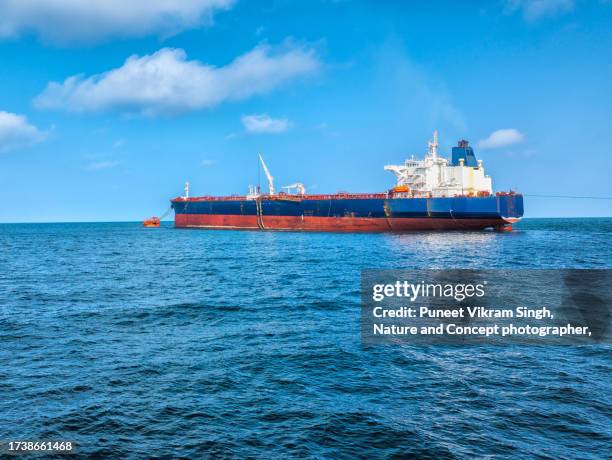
(505, 207)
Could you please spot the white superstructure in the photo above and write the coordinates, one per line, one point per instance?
(439, 177)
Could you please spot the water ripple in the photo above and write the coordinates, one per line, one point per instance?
(169, 343)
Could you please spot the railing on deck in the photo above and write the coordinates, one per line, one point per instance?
(285, 197)
(332, 196)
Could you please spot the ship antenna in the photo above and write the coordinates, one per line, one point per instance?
(186, 190)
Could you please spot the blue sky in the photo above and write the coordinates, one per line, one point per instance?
(107, 107)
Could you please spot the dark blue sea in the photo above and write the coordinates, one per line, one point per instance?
(162, 342)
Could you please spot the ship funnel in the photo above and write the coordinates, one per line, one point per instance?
(463, 152)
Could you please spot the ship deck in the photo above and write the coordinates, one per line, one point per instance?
(329, 196)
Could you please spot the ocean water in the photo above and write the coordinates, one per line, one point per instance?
(162, 342)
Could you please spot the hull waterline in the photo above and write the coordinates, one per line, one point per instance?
(344, 214)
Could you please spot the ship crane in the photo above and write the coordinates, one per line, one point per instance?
(268, 175)
(298, 186)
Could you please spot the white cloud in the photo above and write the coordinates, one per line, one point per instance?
(501, 138)
(208, 162)
(264, 124)
(102, 165)
(537, 9)
(16, 132)
(165, 82)
(63, 21)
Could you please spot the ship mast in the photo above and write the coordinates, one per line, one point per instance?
(268, 175)
(433, 145)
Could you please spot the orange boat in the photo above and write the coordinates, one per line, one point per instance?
(151, 222)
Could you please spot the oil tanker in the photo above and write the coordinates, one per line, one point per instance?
(435, 193)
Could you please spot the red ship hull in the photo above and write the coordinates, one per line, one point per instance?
(334, 224)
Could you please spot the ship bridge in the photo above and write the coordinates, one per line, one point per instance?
(437, 176)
